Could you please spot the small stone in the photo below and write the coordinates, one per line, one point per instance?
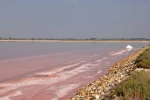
(121, 75)
(99, 91)
(96, 96)
(119, 81)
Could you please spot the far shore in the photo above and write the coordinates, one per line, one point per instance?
(140, 41)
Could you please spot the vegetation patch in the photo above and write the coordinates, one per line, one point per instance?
(143, 61)
(137, 86)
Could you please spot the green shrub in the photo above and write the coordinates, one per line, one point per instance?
(137, 86)
(143, 61)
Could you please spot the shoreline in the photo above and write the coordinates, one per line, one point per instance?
(58, 82)
(104, 87)
(93, 41)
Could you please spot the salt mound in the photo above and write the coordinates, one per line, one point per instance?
(129, 47)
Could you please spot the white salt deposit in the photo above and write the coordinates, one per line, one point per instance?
(101, 59)
(11, 95)
(119, 52)
(63, 76)
(54, 71)
(64, 90)
(99, 71)
(129, 47)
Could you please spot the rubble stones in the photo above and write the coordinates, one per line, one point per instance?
(103, 88)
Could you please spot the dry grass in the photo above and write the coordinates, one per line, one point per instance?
(143, 61)
(136, 87)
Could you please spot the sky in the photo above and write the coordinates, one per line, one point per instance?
(75, 18)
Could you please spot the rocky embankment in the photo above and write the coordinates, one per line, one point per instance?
(104, 87)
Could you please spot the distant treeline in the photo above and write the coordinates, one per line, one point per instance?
(98, 39)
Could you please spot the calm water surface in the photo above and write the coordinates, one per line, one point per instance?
(9, 50)
(54, 71)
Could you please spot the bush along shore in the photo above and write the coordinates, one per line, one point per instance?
(137, 86)
(111, 86)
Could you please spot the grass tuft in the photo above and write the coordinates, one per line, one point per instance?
(137, 86)
(143, 61)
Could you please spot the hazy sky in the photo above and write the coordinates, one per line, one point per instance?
(75, 18)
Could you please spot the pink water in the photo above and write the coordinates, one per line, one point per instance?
(57, 75)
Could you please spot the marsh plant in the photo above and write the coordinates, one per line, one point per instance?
(143, 61)
(137, 86)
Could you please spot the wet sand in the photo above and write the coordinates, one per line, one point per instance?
(54, 76)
